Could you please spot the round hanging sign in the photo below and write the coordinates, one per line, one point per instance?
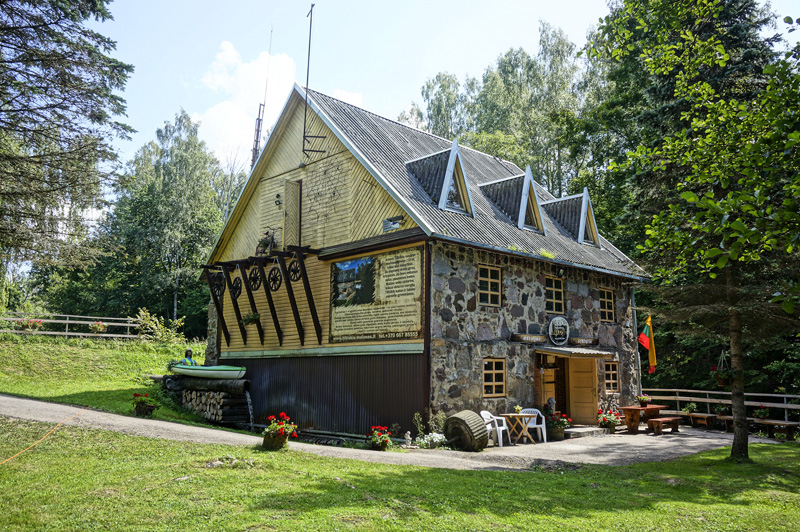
(558, 331)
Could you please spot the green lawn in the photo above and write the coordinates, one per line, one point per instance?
(79, 479)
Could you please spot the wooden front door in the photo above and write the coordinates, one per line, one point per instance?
(583, 390)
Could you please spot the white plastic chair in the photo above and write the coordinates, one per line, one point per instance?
(496, 424)
(536, 422)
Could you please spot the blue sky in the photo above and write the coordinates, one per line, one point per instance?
(210, 58)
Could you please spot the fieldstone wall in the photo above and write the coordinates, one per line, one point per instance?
(464, 332)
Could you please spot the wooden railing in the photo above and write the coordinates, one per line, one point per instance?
(712, 397)
(79, 325)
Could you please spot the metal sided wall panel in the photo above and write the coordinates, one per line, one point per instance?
(342, 394)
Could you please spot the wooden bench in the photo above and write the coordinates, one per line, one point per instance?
(707, 420)
(775, 425)
(656, 424)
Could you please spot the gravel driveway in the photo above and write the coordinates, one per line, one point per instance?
(613, 449)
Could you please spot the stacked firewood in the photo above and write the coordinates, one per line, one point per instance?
(219, 407)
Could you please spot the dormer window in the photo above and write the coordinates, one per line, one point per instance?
(530, 203)
(442, 176)
(457, 191)
(516, 197)
(455, 182)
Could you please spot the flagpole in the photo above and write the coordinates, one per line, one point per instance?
(637, 358)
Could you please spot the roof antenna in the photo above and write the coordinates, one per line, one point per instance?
(306, 137)
(260, 119)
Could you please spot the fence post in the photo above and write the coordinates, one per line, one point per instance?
(785, 410)
(677, 401)
(66, 326)
(708, 404)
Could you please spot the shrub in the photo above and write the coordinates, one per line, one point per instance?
(156, 329)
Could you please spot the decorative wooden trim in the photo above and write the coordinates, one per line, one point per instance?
(217, 305)
(275, 322)
(298, 252)
(225, 271)
(253, 308)
(376, 243)
(290, 292)
(416, 348)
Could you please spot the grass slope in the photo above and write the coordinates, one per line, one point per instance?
(100, 373)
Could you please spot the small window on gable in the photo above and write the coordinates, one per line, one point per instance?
(455, 192)
(587, 232)
(494, 377)
(606, 305)
(533, 213)
(489, 286)
(554, 295)
(455, 196)
(612, 377)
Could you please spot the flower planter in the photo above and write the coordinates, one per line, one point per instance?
(555, 434)
(144, 409)
(380, 446)
(722, 382)
(644, 404)
(274, 442)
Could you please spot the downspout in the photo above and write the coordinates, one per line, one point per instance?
(637, 360)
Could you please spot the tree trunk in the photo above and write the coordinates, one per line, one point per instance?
(175, 299)
(739, 449)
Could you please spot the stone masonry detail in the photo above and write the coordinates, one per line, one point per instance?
(463, 332)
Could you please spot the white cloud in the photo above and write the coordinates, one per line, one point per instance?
(353, 98)
(228, 126)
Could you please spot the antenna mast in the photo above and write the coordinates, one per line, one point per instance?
(261, 106)
(306, 137)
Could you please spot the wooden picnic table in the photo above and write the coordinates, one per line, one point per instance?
(518, 426)
(635, 414)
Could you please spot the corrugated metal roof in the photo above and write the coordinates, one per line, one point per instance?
(506, 194)
(387, 146)
(567, 212)
(430, 172)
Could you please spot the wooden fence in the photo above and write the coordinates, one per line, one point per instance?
(72, 325)
(712, 397)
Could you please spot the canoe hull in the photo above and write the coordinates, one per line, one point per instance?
(210, 372)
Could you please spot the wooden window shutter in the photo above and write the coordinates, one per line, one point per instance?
(291, 213)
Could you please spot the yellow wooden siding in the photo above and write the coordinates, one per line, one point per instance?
(280, 162)
(371, 204)
(242, 242)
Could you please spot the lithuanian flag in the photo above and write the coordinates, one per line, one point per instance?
(647, 340)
